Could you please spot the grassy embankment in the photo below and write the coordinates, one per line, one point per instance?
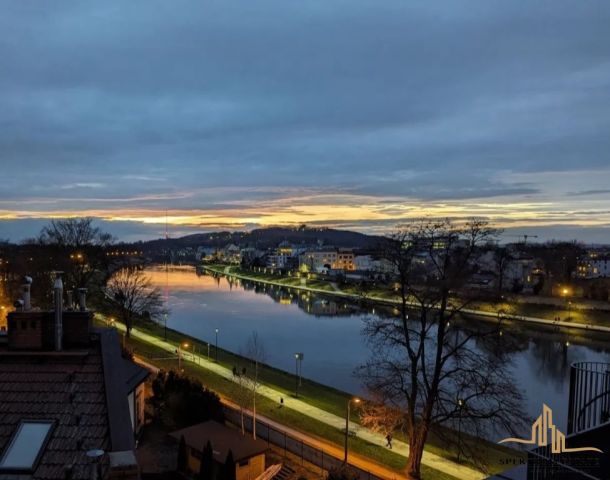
(321, 396)
(549, 312)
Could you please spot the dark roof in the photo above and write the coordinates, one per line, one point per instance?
(83, 391)
(119, 420)
(134, 374)
(222, 440)
(66, 387)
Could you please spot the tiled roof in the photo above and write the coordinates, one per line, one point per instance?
(67, 388)
(84, 392)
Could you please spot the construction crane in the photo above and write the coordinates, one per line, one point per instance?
(524, 237)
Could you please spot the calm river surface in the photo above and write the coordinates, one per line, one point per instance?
(329, 334)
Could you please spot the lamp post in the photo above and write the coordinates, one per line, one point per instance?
(165, 326)
(349, 402)
(180, 347)
(298, 358)
(566, 293)
(208, 350)
(460, 407)
(216, 345)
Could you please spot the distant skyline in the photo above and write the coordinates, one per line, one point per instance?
(350, 114)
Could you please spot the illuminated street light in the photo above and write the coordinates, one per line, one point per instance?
(298, 358)
(216, 345)
(349, 402)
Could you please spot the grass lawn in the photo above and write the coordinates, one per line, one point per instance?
(286, 416)
(321, 396)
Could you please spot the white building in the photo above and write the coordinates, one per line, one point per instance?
(318, 260)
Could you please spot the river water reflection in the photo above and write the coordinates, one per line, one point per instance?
(328, 332)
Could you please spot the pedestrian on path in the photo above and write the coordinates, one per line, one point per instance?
(281, 402)
(388, 438)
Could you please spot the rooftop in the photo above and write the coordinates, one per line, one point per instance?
(222, 440)
(82, 392)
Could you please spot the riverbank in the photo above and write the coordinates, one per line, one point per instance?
(318, 411)
(533, 314)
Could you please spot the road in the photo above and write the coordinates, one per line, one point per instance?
(330, 449)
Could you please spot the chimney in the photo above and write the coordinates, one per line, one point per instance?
(70, 300)
(82, 299)
(58, 290)
(95, 460)
(25, 289)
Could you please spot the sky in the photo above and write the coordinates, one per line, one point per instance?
(351, 114)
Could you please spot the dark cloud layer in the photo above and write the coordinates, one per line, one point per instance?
(150, 105)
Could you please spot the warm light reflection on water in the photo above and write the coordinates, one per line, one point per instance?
(329, 334)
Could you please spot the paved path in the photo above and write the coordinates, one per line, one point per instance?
(330, 449)
(429, 459)
(480, 313)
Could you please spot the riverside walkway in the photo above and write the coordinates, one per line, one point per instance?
(431, 460)
(480, 313)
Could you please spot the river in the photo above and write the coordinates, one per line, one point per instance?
(329, 333)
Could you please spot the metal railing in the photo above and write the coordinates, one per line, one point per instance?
(541, 465)
(589, 401)
(289, 443)
(588, 426)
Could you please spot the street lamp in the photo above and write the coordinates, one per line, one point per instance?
(165, 329)
(460, 408)
(216, 345)
(298, 358)
(349, 402)
(565, 291)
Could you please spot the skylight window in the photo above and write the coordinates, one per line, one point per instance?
(26, 445)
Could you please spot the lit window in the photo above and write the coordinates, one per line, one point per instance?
(26, 446)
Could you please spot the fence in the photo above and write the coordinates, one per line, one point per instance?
(289, 443)
(589, 402)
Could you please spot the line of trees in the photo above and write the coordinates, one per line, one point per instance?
(78, 248)
(182, 401)
(209, 469)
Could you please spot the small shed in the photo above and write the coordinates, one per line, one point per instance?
(248, 454)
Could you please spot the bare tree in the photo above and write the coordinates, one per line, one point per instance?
(423, 365)
(502, 258)
(77, 247)
(74, 233)
(254, 351)
(133, 296)
(243, 393)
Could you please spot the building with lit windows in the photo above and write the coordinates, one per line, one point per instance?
(594, 265)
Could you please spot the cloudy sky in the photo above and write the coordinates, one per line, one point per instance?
(356, 114)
